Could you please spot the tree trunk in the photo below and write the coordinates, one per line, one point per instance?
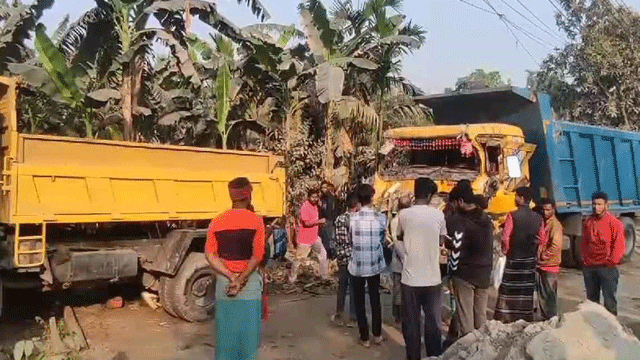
(380, 124)
(225, 138)
(329, 156)
(136, 87)
(187, 16)
(127, 104)
(131, 86)
(625, 116)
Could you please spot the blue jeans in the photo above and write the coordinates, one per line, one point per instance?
(603, 279)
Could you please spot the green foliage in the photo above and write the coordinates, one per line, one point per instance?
(223, 101)
(594, 78)
(56, 65)
(480, 79)
(17, 22)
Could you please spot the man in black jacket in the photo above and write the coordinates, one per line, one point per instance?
(471, 243)
(329, 211)
(522, 229)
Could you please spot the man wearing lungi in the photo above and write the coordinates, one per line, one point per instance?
(522, 230)
(234, 248)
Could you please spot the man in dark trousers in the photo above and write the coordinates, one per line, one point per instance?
(603, 246)
(471, 244)
(367, 230)
(549, 259)
(422, 229)
(522, 230)
(343, 248)
(328, 211)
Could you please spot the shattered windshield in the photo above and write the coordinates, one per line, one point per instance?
(439, 159)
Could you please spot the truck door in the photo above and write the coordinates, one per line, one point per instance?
(517, 165)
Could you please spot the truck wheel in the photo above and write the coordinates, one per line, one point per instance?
(1, 296)
(568, 259)
(165, 296)
(191, 293)
(576, 249)
(630, 236)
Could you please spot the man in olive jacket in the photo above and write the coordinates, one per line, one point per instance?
(549, 258)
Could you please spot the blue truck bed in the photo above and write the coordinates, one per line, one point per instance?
(584, 159)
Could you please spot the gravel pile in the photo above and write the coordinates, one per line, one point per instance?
(589, 333)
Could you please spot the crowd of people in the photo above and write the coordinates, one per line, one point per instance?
(414, 235)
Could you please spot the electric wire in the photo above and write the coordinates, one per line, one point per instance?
(537, 18)
(531, 21)
(501, 16)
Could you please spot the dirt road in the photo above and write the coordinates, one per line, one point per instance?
(298, 328)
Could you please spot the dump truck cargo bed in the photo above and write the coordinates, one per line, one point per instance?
(52, 179)
(585, 159)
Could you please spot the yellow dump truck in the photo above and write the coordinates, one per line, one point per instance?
(77, 210)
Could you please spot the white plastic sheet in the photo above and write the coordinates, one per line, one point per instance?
(498, 271)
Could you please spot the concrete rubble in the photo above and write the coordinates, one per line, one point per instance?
(589, 333)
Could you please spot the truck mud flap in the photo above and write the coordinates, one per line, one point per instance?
(97, 265)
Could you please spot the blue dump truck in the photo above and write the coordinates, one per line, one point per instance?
(571, 160)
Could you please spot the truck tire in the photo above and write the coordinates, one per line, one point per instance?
(568, 258)
(165, 296)
(630, 235)
(191, 293)
(1, 296)
(576, 249)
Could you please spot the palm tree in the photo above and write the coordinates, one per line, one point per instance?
(379, 32)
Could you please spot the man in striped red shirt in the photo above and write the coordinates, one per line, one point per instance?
(235, 247)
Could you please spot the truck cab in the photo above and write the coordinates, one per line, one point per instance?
(493, 157)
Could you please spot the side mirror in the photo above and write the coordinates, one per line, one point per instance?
(513, 167)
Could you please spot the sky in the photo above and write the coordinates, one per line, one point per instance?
(460, 37)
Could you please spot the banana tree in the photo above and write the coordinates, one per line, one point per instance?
(226, 89)
(377, 30)
(17, 22)
(331, 65)
(50, 74)
(125, 55)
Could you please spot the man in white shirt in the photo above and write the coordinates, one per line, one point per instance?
(422, 229)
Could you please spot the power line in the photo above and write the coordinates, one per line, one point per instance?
(621, 7)
(617, 16)
(529, 20)
(501, 16)
(545, 44)
(531, 36)
(556, 6)
(536, 17)
(476, 6)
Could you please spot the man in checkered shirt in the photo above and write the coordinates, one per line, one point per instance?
(342, 247)
(367, 229)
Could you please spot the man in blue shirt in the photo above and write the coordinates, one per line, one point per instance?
(367, 228)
